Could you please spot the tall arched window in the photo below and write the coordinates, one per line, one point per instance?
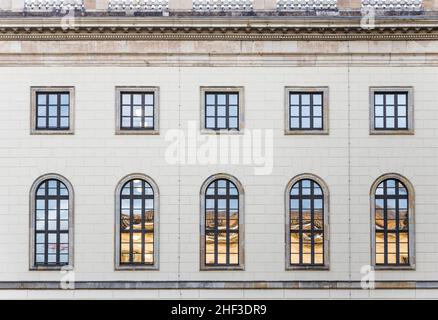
(392, 216)
(307, 223)
(51, 216)
(221, 223)
(137, 216)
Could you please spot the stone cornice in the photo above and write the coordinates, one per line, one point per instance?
(242, 285)
(217, 28)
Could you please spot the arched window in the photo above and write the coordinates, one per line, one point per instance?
(222, 221)
(392, 216)
(307, 223)
(137, 212)
(51, 216)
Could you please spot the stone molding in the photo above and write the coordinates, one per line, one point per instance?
(215, 285)
(236, 28)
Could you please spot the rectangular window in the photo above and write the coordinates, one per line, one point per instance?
(52, 110)
(391, 111)
(137, 110)
(307, 110)
(222, 109)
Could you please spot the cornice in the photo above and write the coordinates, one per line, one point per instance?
(217, 28)
(208, 285)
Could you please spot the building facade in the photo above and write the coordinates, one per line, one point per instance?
(205, 149)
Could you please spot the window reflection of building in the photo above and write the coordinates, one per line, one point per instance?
(306, 223)
(222, 223)
(391, 223)
(137, 223)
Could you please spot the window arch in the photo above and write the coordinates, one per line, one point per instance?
(392, 215)
(51, 209)
(137, 209)
(307, 220)
(222, 223)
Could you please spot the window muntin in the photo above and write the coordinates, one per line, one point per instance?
(137, 210)
(52, 111)
(306, 223)
(137, 110)
(51, 224)
(222, 110)
(306, 110)
(222, 224)
(391, 110)
(391, 223)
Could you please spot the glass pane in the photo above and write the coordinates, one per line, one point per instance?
(378, 99)
(65, 99)
(233, 99)
(294, 99)
(42, 99)
(126, 98)
(149, 99)
(401, 99)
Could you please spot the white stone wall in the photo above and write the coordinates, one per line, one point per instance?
(94, 159)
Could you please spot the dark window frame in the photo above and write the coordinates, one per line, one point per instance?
(143, 107)
(33, 266)
(312, 231)
(35, 128)
(46, 197)
(409, 91)
(386, 231)
(311, 111)
(227, 197)
(58, 107)
(396, 105)
(131, 197)
(227, 117)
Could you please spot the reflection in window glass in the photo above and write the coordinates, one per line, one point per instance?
(52, 224)
(137, 223)
(305, 110)
(222, 110)
(137, 110)
(391, 223)
(222, 224)
(306, 223)
(390, 110)
(52, 110)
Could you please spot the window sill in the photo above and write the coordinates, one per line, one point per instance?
(51, 268)
(393, 268)
(306, 132)
(221, 132)
(222, 268)
(137, 132)
(392, 132)
(308, 268)
(136, 268)
(51, 132)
